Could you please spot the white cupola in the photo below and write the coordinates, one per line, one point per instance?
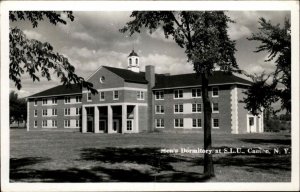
(134, 62)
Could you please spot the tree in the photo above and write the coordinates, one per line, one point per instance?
(18, 108)
(32, 56)
(277, 42)
(204, 37)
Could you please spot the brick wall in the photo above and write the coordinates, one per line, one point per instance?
(60, 106)
(223, 101)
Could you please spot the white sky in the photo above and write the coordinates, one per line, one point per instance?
(93, 40)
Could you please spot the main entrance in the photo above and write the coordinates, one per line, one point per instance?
(251, 127)
(110, 119)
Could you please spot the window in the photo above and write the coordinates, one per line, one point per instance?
(78, 99)
(140, 95)
(67, 123)
(67, 99)
(89, 97)
(45, 112)
(78, 122)
(54, 100)
(215, 123)
(35, 124)
(196, 107)
(78, 111)
(178, 108)
(116, 95)
(178, 93)
(197, 123)
(178, 122)
(35, 113)
(54, 112)
(67, 111)
(54, 123)
(129, 125)
(44, 123)
(45, 101)
(136, 61)
(102, 96)
(35, 102)
(215, 92)
(160, 123)
(159, 109)
(196, 93)
(130, 61)
(102, 79)
(215, 107)
(159, 95)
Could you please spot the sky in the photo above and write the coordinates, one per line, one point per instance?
(93, 39)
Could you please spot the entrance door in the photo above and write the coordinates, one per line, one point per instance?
(102, 126)
(252, 125)
(90, 123)
(116, 126)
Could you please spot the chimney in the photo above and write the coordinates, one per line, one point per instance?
(150, 75)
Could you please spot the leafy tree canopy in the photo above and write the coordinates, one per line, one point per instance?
(276, 40)
(32, 56)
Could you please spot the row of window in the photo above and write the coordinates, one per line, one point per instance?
(178, 108)
(139, 94)
(53, 123)
(178, 93)
(179, 123)
(53, 100)
(67, 112)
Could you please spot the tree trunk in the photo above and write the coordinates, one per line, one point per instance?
(208, 159)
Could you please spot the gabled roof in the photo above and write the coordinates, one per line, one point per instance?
(59, 90)
(128, 75)
(191, 79)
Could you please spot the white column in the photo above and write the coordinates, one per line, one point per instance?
(136, 118)
(84, 120)
(96, 119)
(109, 119)
(124, 118)
(28, 115)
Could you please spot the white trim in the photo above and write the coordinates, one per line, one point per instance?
(159, 112)
(142, 95)
(178, 94)
(160, 123)
(100, 95)
(80, 98)
(34, 126)
(234, 110)
(27, 126)
(248, 127)
(52, 112)
(68, 110)
(68, 99)
(35, 100)
(212, 91)
(87, 97)
(116, 98)
(131, 120)
(179, 112)
(94, 73)
(159, 94)
(179, 123)
(43, 112)
(70, 94)
(53, 98)
(119, 89)
(196, 93)
(212, 107)
(114, 104)
(46, 101)
(196, 107)
(195, 86)
(197, 127)
(34, 113)
(212, 123)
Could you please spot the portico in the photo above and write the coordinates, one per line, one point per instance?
(110, 118)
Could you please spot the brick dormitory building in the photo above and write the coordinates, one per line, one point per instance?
(131, 101)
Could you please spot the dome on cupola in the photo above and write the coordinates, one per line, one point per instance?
(134, 62)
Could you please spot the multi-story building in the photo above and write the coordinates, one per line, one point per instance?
(131, 101)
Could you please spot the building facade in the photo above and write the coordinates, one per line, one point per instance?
(132, 101)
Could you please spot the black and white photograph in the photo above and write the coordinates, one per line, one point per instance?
(149, 96)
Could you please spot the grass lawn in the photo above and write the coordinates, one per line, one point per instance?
(76, 157)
